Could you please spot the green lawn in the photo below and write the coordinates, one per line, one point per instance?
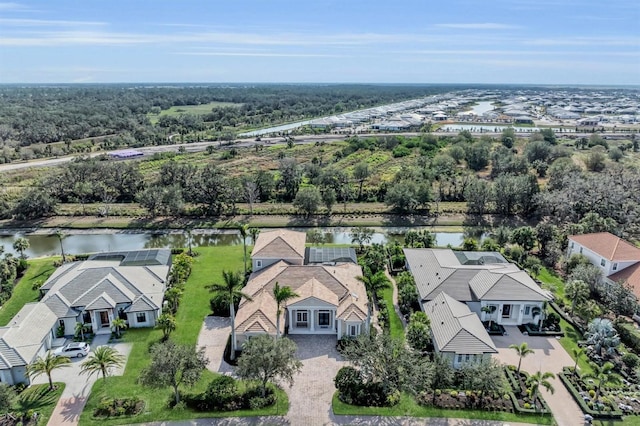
(408, 407)
(38, 271)
(40, 399)
(395, 323)
(194, 307)
(553, 282)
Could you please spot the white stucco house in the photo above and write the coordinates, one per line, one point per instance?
(476, 280)
(619, 260)
(127, 285)
(330, 298)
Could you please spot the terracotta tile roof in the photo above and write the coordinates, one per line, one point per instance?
(336, 285)
(608, 246)
(280, 244)
(630, 275)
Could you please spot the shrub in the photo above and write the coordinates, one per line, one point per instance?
(630, 360)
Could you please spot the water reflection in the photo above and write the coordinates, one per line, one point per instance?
(47, 245)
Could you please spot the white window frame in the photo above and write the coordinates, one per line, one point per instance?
(615, 266)
(527, 310)
(603, 262)
(353, 330)
(328, 324)
(302, 317)
(258, 263)
(138, 314)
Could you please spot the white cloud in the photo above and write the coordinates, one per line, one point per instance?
(480, 26)
(262, 54)
(16, 22)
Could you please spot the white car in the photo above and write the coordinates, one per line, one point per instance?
(73, 350)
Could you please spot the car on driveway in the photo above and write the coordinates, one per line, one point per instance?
(73, 350)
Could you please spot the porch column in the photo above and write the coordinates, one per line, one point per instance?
(339, 329)
(520, 313)
(312, 322)
(499, 311)
(291, 325)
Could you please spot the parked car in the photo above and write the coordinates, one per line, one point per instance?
(73, 350)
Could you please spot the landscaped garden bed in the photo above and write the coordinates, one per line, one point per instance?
(119, 407)
(493, 328)
(521, 393)
(532, 330)
(584, 394)
(455, 399)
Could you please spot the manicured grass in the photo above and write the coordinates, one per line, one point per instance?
(38, 271)
(40, 399)
(570, 341)
(552, 281)
(194, 307)
(408, 407)
(395, 324)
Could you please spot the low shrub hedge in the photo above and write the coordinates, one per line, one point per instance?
(564, 378)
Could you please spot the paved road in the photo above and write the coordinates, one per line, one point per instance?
(241, 143)
(77, 389)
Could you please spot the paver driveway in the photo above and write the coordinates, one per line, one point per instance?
(78, 386)
(550, 356)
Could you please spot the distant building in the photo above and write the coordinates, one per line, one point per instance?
(125, 153)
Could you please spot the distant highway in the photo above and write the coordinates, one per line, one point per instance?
(242, 143)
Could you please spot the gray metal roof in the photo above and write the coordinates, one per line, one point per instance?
(141, 304)
(60, 306)
(101, 302)
(493, 278)
(330, 255)
(455, 328)
(490, 285)
(9, 357)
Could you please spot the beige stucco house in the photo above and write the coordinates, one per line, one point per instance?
(330, 299)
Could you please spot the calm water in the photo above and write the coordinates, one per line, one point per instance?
(47, 245)
(482, 107)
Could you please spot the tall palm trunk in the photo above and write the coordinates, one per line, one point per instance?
(278, 325)
(232, 311)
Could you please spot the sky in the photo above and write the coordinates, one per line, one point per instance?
(564, 42)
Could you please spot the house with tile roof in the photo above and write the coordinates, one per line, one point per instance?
(619, 260)
(459, 290)
(479, 279)
(456, 332)
(127, 285)
(331, 300)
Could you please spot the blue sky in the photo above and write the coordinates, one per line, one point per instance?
(360, 41)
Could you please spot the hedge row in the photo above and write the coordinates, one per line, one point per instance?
(615, 414)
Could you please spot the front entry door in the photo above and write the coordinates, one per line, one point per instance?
(506, 311)
(104, 319)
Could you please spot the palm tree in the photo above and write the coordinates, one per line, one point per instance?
(577, 353)
(282, 294)
(254, 234)
(117, 325)
(578, 292)
(172, 296)
(79, 329)
(60, 236)
(539, 379)
(230, 290)
(522, 350)
(20, 245)
(489, 309)
(103, 359)
(167, 323)
(372, 284)
(244, 229)
(46, 365)
(603, 375)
